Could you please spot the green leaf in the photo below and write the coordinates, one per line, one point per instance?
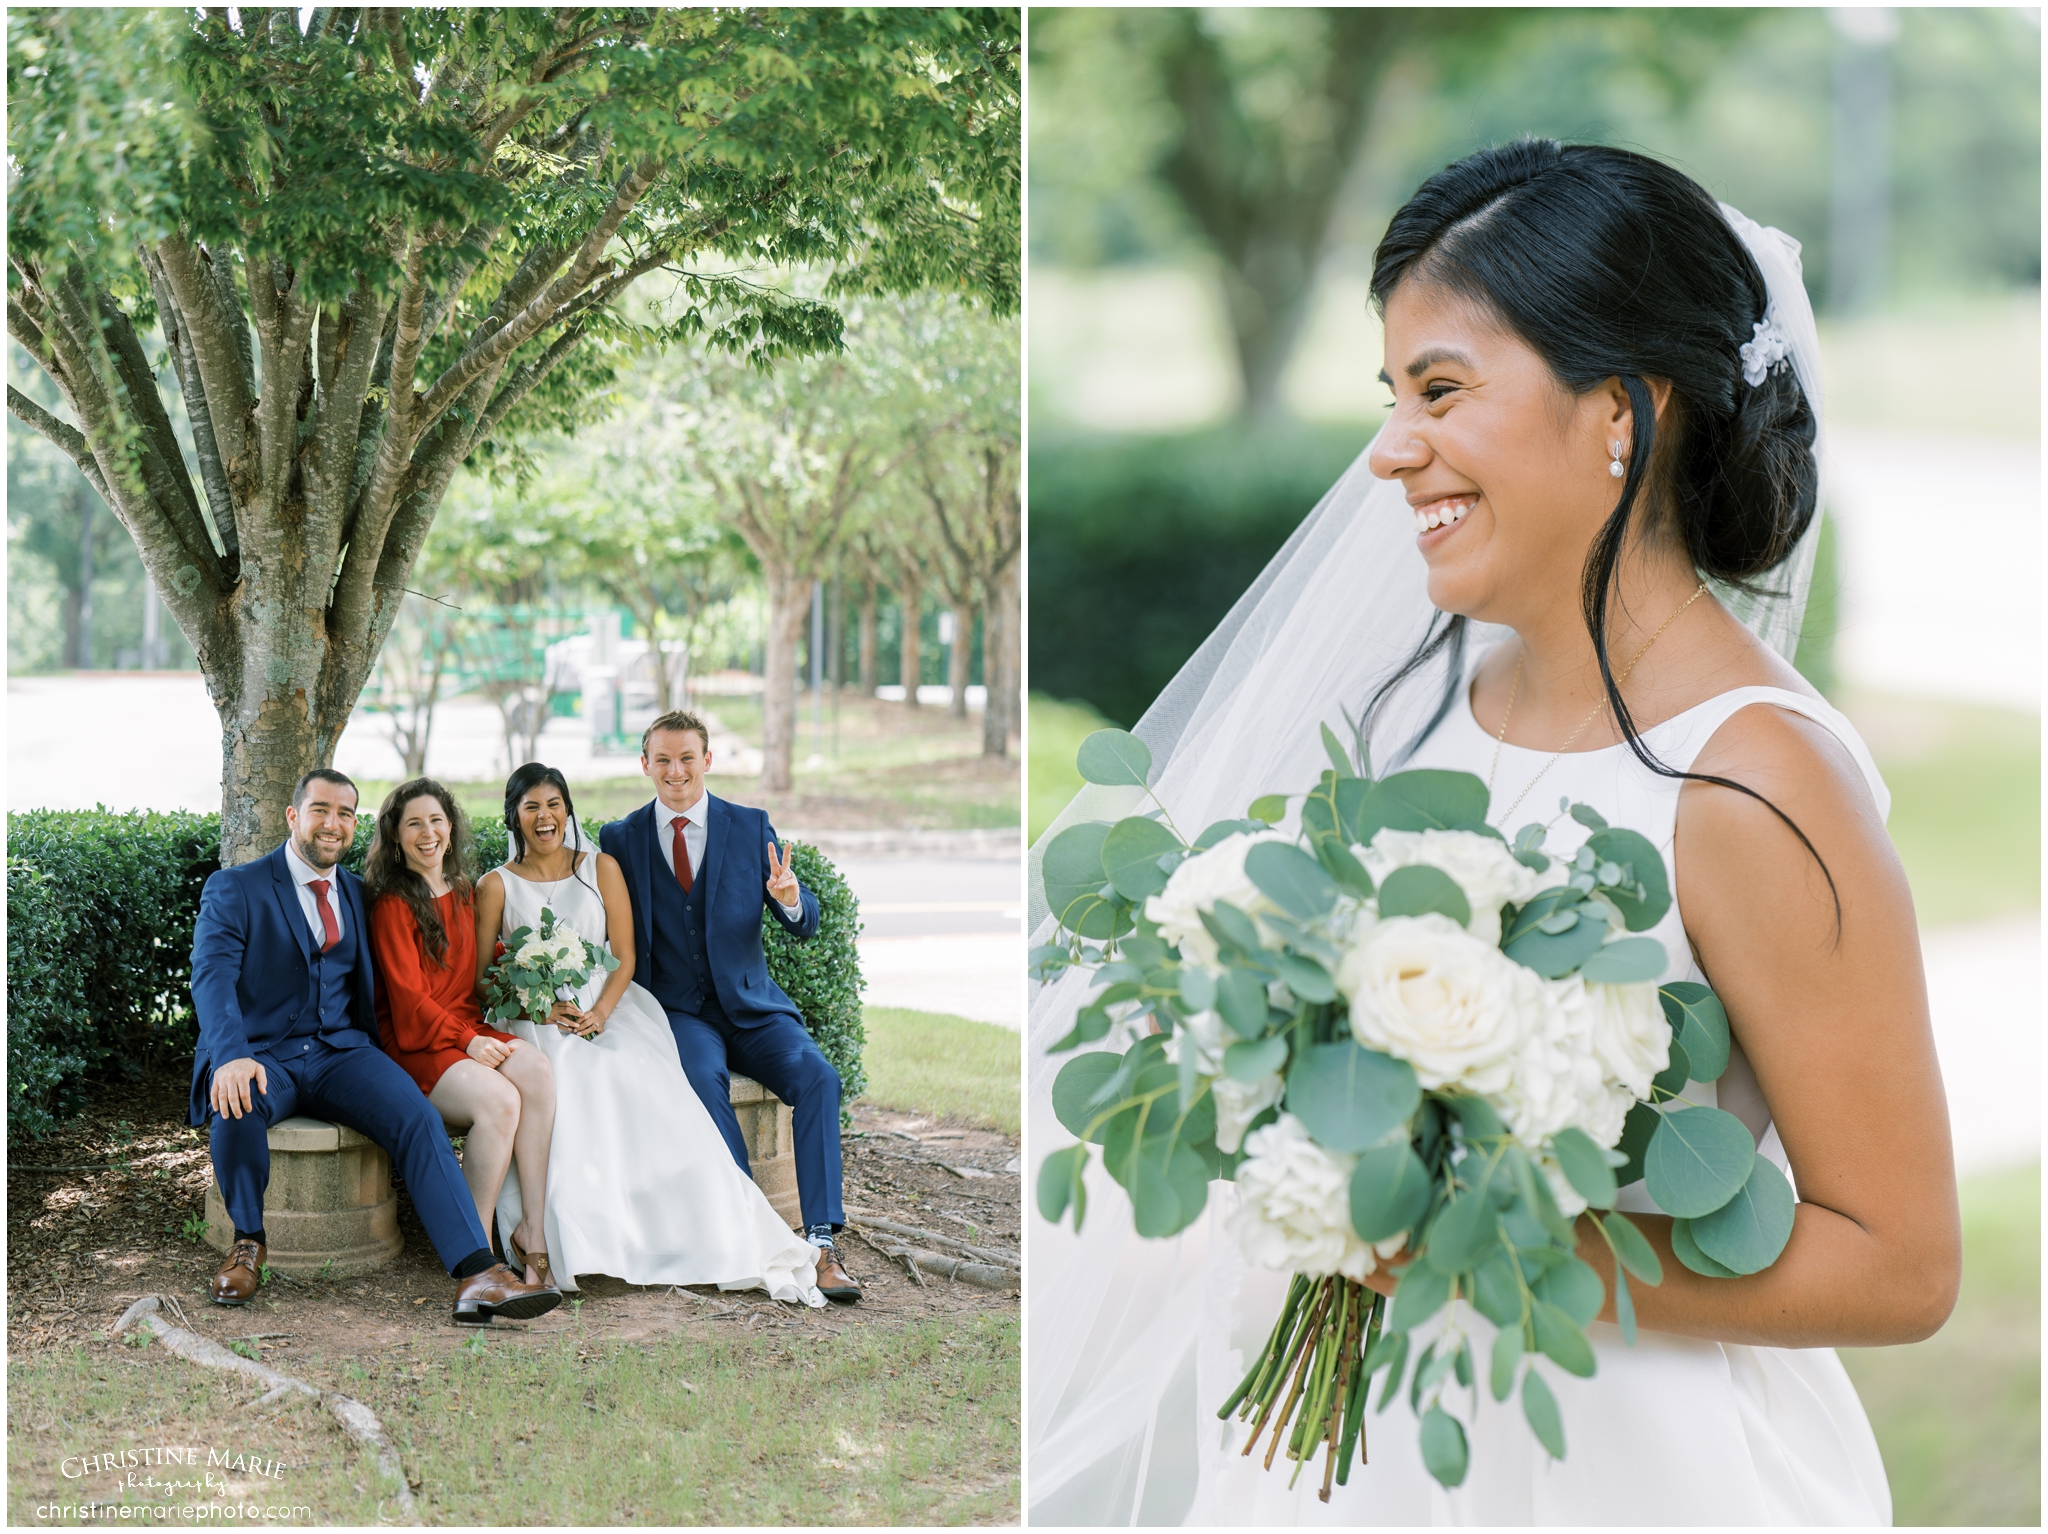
(1574, 1287)
(1628, 961)
(1060, 1185)
(1426, 799)
(1624, 1308)
(1389, 1192)
(1615, 845)
(1507, 1357)
(1306, 978)
(1241, 998)
(1392, 1349)
(1585, 1168)
(1074, 877)
(1419, 889)
(1155, 1203)
(1701, 1025)
(1476, 1117)
(1697, 1161)
(1592, 820)
(1496, 1293)
(1464, 1231)
(1559, 1339)
(1074, 1089)
(1420, 1294)
(1232, 928)
(1090, 1024)
(1114, 758)
(1338, 758)
(1443, 1447)
(1539, 1407)
(1677, 1071)
(1746, 1234)
(1636, 1131)
(1259, 1057)
(1131, 853)
(1349, 1098)
(1633, 1249)
(1197, 988)
(1271, 808)
(1348, 797)
(1343, 867)
(1551, 955)
(1291, 879)
(1687, 1251)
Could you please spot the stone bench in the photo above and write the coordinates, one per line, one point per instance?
(330, 1206)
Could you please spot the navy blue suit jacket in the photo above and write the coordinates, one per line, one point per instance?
(252, 968)
(735, 877)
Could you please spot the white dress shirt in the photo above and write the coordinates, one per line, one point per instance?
(303, 875)
(695, 835)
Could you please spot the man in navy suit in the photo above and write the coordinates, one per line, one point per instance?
(282, 985)
(701, 870)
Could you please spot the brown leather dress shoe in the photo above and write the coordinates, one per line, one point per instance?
(498, 1291)
(833, 1280)
(240, 1275)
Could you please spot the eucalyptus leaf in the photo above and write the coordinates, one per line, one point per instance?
(1624, 1308)
(1574, 1287)
(1677, 1071)
(1420, 889)
(1698, 1159)
(1588, 817)
(1552, 955)
(1348, 1097)
(1306, 978)
(1585, 1168)
(1633, 1249)
(1115, 758)
(1390, 1191)
(1539, 1407)
(1155, 1204)
(1476, 1117)
(1271, 808)
(1291, 879)
(1463, 1232)
(1463, 1364)
(1131, 853)
(1746, 1234)
(1701, 1025)
(1074, 1089)
(1395, 1346)
(1687, 1251)
(1090, 1024)
(1241, 999)
(1249, 1061)
(1444, 1453)
(1616, 845)
(1636, 1131)
(1061, 1185)
(1073, 875)
(1232, 927)
(1426, 799)
(1197, 988)
(1420, 1294)
(1559, 1338)
(1626, 961)
(1348, 797)
(1343, 867)
(1338, 758)
(1496, 1292)
(1507, 1357)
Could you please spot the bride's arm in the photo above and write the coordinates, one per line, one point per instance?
(490, 913)
(1834, 1022)
(618, 931)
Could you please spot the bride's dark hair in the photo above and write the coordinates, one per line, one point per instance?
(522, 782)
(1609, 264)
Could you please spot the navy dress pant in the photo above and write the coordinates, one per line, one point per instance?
(784, 1058)
(369, 1092)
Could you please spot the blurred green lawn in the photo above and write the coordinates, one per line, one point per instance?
(952, 1067)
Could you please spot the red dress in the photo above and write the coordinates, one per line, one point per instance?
(426, 1012)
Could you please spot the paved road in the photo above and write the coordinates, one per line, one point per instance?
(942, 934)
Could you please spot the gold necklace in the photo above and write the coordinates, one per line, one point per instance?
(1598, 708)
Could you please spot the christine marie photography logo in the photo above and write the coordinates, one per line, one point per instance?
(168, 1483)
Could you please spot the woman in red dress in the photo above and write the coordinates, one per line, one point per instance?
(497, 1089)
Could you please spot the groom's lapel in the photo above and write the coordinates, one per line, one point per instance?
(287, 891)
(716, 823)
(642, 856)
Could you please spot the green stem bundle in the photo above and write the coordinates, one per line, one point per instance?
(1313, 1369)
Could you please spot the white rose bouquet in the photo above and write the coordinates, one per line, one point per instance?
(541, 965)
(1410, 1042)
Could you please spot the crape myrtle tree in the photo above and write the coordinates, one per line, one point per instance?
(366, 249)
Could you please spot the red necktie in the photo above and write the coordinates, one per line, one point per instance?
(327, 921)
(683, 874)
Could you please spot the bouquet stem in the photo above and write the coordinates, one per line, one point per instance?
(1316, 1355)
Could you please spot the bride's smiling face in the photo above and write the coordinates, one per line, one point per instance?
(1506, 472)
(543, 819)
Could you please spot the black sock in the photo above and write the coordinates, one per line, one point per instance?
(251, 1235)
(818, 1235)
(475, 1263)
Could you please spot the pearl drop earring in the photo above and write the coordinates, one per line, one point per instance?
(1615, 469)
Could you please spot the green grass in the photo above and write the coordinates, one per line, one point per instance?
(928, 1062)
(880, 1425)
(1057, 730)
(1958, 1417)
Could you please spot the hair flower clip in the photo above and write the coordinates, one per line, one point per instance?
(1767, 347)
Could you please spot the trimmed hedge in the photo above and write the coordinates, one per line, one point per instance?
(100, 909)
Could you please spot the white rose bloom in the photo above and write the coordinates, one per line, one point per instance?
(1424, 990)
(1570, 1203)
(1479, 865)
(1630, 1037)
(1238, 1103)
(1198, 884)
(1294, 1210)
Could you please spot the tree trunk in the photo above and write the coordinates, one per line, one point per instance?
(998, 662)
(835, 635)
(869, 675)
(911, 594)
(82, 498)
(962, 654)
(789, 609)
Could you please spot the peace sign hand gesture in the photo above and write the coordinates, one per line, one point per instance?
(782, 885)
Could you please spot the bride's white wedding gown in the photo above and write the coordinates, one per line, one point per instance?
(640, 1182)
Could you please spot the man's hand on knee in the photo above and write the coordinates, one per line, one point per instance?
(230, 1089)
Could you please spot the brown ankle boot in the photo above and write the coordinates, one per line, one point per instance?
(240, 1275)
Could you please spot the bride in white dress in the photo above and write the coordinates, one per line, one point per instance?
(641, 1184)
(1572, 335)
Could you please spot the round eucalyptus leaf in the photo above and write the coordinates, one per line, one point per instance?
(1115, 758)
(1677, 1071)
(1074, 880)
(1574, 1287)
(1420, 1294)
(1698, 1159)
(1306, 978)
(1060, 1185)
(1616, 845)
(1700, 1023)
(1427, 799)
(1418, 889)
(1552, 955)
(1155, 1204)
(1444, 1453)
(1539, 1406)
(1585, 1168)
(1463, 1232)
(1347, 1097)
(1389, 1191)
(1626, 961)
(1197, 988)
(1496, 1293)
(1636, 1130)
(1074, 1089)
(1291, 879)
(1241, 999)
(1254, 1058)
(1131, 853)
(1687, 1251)
(1271, 808)
(1746, 1234)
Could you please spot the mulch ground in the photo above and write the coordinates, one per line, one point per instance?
(84, 1244)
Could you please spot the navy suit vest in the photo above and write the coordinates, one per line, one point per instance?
(331, 972)
(682, 968)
